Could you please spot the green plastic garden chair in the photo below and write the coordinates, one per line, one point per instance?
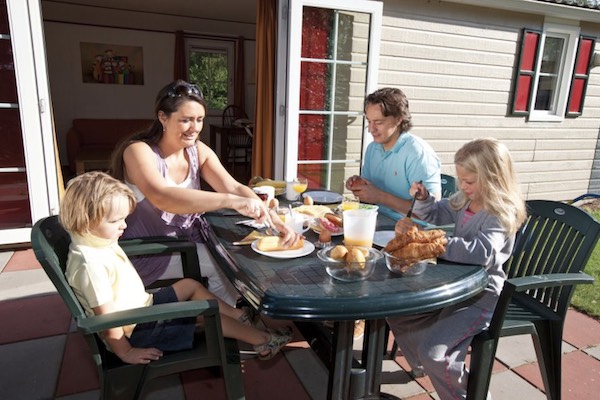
(448, 185)
(550, 253)
(125, 381)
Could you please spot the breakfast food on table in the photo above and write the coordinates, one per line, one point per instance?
(325, 236)
(275, 243)
(334, 219)
(269, 182)
(315, 210)
(308, 201)
(274, 203)
(415, 245)
(353, 256)
(339, 252)
(356, 256)
(324, 224)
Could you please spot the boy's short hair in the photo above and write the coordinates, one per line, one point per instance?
(88, 198)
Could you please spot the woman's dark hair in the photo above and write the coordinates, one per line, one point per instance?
(168, 100)
(392, 102)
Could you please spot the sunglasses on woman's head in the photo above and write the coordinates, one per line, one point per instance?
(187, 89)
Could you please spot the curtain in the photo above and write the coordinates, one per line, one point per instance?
(180, 68)
(266, 28)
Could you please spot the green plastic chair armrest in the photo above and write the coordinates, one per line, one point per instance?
(157, 245)
(522, 284)
(158, 312)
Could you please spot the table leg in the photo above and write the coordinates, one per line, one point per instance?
(372, 356)
(339, 374)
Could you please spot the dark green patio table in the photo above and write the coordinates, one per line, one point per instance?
(300, 289)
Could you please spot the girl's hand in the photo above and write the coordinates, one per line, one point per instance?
(137, 355)
(418, 190)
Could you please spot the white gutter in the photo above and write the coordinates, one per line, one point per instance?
(537, 7)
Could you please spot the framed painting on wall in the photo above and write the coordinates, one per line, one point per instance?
(112, 64)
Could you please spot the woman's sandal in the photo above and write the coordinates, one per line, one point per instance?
(250, 316)
(279, 338)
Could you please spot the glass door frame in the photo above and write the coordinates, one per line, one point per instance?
(35, 110)
(288, 73)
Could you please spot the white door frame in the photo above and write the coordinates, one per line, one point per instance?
(35, 109)
(288, 73)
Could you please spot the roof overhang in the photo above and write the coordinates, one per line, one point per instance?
(538, 7)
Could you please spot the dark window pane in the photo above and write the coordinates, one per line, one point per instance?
(315, 79)
(3, 18)
(14, 201)
(11, 151)
(312, 137)
(316, 32)
(8, 83)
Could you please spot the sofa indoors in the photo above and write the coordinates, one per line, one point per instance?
(91, 141)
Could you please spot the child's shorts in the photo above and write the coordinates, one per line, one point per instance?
(168, 335)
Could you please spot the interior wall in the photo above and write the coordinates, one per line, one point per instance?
(65, 27)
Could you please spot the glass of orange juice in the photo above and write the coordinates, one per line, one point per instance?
(350, 202)
(299, 185)
(359, 227)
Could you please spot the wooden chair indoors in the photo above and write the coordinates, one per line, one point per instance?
(551, 251)
(239, 141)
(125, 381)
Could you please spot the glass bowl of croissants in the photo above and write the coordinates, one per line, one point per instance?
(409, 252)
(349, 263)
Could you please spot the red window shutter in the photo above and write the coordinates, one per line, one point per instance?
(523, 82)
(581, 74)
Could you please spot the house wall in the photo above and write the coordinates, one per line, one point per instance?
(456, 64)
(66, 26)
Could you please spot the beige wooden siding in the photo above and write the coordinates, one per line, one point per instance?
(456, 63)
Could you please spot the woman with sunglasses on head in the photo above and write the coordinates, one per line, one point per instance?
(163, 166)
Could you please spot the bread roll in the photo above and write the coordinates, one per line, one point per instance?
(355, 258)
(274, 243)
(338, 252)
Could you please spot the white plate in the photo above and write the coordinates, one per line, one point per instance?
(324, 196)
(306, 250)
(381, 238)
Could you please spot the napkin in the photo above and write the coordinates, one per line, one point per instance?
(250, 238)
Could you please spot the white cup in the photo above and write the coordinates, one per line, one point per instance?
(290, 193)
(359, 227)
(298, 222)
(266, 193)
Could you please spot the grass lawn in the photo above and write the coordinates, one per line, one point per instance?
(587, 297)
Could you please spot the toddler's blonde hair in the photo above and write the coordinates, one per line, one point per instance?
(88, 199)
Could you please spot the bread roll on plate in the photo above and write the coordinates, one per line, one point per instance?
(274, 243)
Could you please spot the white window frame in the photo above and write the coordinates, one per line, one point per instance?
(571, 35)
(288, 73)
(221, 46)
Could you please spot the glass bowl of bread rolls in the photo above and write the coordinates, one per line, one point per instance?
(349, 263)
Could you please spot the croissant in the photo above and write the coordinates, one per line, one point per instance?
(421, 251)
(426, 236)
(398, 242)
